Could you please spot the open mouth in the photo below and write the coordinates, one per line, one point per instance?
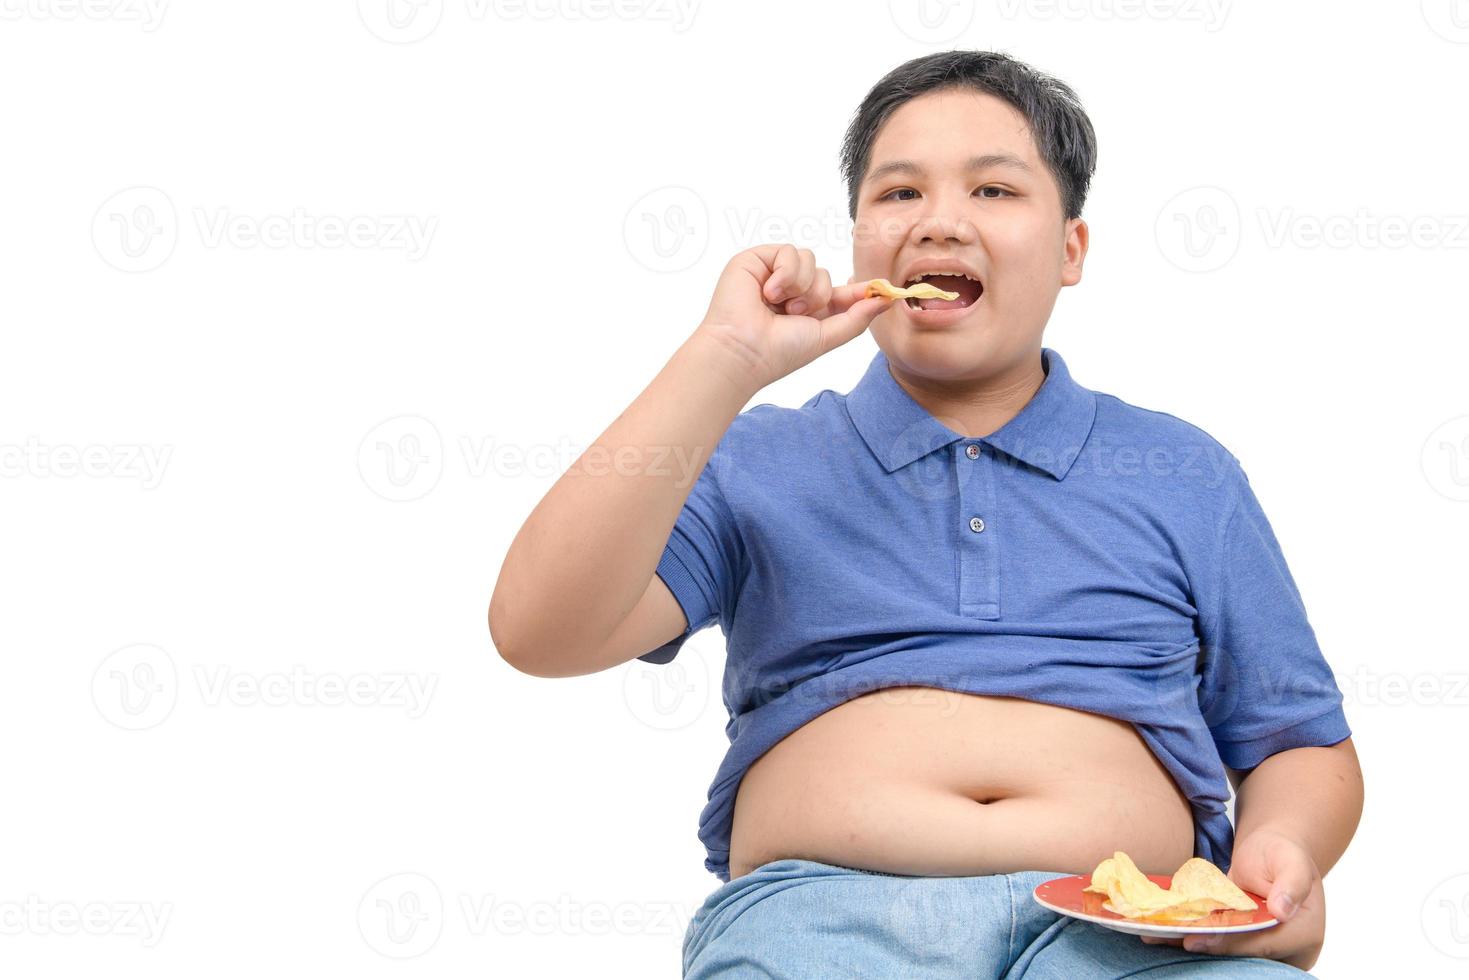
(969, 290)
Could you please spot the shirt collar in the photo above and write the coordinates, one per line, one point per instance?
(1047, 433)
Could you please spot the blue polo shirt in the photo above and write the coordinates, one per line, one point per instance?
(1089, 553)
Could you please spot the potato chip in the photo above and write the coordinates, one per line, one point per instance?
(919, 290)
(1190, 911)
(1198, 878)
(1197, 889)
(1130, 893)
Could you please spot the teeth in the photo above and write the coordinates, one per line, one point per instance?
(920, 276)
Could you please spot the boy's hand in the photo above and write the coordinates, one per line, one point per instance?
(778, 311)
(1273, 865)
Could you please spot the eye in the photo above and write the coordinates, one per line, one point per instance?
(987, 187)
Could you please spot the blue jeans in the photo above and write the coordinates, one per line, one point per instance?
(794, 919)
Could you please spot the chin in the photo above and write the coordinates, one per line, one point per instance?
(937, 357)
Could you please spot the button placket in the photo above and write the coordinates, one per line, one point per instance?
(979, 556)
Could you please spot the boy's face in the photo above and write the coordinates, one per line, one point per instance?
(1003, 222)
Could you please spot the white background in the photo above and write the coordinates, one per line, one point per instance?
(345, 436)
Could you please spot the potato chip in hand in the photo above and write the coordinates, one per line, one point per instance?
(919, 290)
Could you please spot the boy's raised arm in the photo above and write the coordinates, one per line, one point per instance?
(588, 551)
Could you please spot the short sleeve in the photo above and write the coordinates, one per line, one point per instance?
(704, 557)
(1265, 685)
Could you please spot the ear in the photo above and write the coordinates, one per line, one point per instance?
(1073, 251)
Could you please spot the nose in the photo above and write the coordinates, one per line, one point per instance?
(944, 227)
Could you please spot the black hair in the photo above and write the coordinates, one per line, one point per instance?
(1058, 124)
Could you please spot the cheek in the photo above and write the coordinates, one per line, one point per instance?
(1022, 244)
(877, 240)
(1020, 262)
(865, 258)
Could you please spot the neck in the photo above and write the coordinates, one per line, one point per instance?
(975, 408)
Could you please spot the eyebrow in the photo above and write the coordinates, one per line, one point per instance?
(983, 162)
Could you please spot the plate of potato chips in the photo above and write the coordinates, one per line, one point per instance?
(1197, 898)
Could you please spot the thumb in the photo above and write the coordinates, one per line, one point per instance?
(1290, 875)
(1287, 893)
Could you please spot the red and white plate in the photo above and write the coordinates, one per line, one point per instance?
(1065, 895)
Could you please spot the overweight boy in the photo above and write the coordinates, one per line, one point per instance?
(985, 625)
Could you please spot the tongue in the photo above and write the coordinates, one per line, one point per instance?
(967, 289)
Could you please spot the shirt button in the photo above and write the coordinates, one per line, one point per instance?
(976, 525)
(972, 451)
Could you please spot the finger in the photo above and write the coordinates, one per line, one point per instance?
(842, 327)
(1270, 947)
(1193, 944)
(815, 297)
(797, 301)
(1206, 944)
(779, 287)
(806, 273)
(1269, 943)
(843, 297)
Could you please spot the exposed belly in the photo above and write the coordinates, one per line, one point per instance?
(923, 781)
